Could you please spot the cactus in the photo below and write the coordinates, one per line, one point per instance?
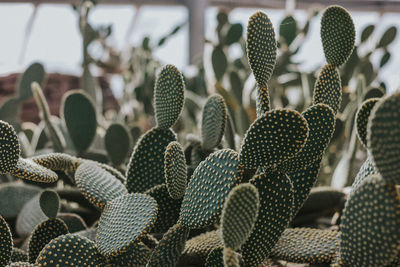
(263, 103)
(79, 115)
(34, 73)
(124, 221)
(43, 234)
(362, 117)
(117, 143)
(371, 213)
(306, 245)
(337, 35)
(136, 256)
(9, 148)
(70, 249)
(6, 243)
(383, 137)
(213, 122)
(28, 170)
(146, 166)
(97, 185)
(168, 96)
(175, 170)
(215, 258)
(19, 255)
(273, 138)
(14, 196)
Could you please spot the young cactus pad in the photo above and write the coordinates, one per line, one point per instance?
(70, 250)
(239, 215)
(175, 170)
(168, 96)
(211, 182)
(146, 166)
(274, 137)
(9, 148)
(384, 137)
(49, 203)
(370, 225)
(117, 142)
(261, 47)
(98, 185)
(213, 122)
(337, 35)
(124, 221)
(79, 115)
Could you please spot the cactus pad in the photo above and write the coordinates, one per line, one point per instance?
(337, 35)
(366, 170)
(124, 221)
(262, 104)
(384, 137)
(70, 250)
(213, 122)
(168, 96)
(370, 225)
(117, 142)
(146, 166)
(168, 208)
(19, 255)
(6, 242)
(306, 245)
(328, 88)
(321, 122)
(49, 203)
(79, 115)
(215, 258)
(175, 170)
(211, 182)
(362, 117)
(136, 256)
(170, 247)
(239, 215)
(274, 137)
(29, 170)
(276, 201)
(14, 196)
(9, 148)
(261, 47)
(43, 234)
(97, 185)
(57, 162)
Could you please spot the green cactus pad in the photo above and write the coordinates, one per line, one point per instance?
(383, 137)
(239, 215)
(57, 162)
(275, 213)
(79, 115)
(70, 250)
(328, 88)
(124, 221)
(74, 222)
(362, 117)
(168, 208)
(370, 224)
(321, 122)
(34, 73)
(263, 103)
(97, 185)
(303, 180)
(19, 255)
(337, 35)
(231, 258)
(146, 166)
(261, 47)
(31, 215)
(13, 197)
(175, 170)
(117, 142)
(28, 170)
(9, 148)
(49, 203)
(169, 94)
(43, 234)
(210, 184)
(274, 137)
(170, 247)
(213, 122)
(197, 248)
(21, 264)
(136, 256)
(368, 168)
(215, 258)
(306, 245)
(323, 199)
(6, 243)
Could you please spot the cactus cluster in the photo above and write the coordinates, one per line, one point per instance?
(197, 201)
